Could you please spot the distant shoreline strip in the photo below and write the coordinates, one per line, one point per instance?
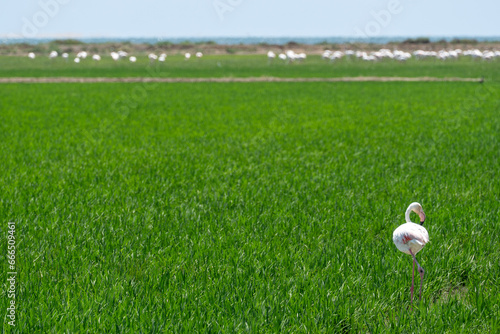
(230, 79)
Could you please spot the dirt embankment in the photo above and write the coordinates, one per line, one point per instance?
(218, 49)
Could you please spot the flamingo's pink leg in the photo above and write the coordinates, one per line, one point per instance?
(412, 280)
(421, 283)
(421, 271)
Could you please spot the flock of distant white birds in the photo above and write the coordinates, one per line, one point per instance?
(388, 54)
(291, 56)
(114, 55)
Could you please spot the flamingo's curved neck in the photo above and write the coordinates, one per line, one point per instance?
(407, 214)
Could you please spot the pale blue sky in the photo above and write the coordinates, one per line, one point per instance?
(206, 18)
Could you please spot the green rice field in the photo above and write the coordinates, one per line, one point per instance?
(249, 207)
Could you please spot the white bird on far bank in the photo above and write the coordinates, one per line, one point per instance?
(152, 57)
(270, 57)
(301, 56)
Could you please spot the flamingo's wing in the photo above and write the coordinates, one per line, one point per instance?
(408, 235)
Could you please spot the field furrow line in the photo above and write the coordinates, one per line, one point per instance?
(231, 79)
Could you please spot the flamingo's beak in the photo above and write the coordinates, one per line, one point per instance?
(422, 217)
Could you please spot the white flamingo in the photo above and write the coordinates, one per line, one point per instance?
(152, 58)
(326, 54)
(270, 57)
(410, 238)
(82, 54)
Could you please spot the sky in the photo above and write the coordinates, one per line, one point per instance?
(248, 18)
